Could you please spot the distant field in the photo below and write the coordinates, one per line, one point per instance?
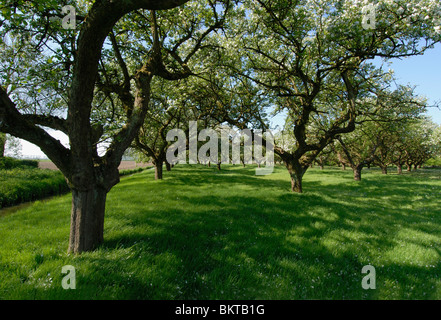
(204, 234)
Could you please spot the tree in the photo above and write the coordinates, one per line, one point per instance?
(421, 142)
(324, 157)
(313, 56)
(168, 110)
(359, 147)
(375, 139)
(91, 67)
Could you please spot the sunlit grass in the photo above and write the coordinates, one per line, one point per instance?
(26, 183)
(204, 234)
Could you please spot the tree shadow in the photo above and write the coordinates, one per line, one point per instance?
(279, 246)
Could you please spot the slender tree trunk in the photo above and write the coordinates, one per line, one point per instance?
(158, 169)
(343, 166)
(218, 166)
(415, 167)
(399, 169)
(384, 169)
(409, 167)
(87, 219)
(167, 166)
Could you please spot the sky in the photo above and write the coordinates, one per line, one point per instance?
(424, 72)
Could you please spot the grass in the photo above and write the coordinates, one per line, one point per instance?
(203, 234)
(25, 183)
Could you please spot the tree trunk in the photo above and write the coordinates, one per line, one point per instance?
(399, 169)
(343, 166)
(167, 166)
(158, 170)
(357, 172)
(87, 219)
(219, 166)
(409, 167)
(296, 183)
(384, 169)
(296, 173)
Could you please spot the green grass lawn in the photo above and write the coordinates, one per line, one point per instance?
(203, 234)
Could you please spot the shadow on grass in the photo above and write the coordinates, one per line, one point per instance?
(274, 244)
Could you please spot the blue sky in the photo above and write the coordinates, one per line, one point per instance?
(424, 72)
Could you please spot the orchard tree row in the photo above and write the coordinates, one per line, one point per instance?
(131, 69)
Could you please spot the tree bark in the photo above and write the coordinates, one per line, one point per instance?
(399, 169)
(168, 166)
(384, 169)
(357, 172)
(296, 183)
(296, 173)
(87, 219)
(158, 169)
